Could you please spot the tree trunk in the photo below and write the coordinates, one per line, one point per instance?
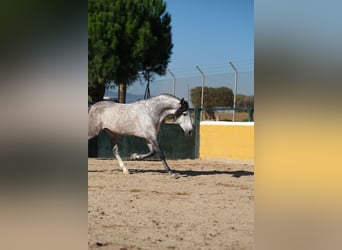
(122, 93)
(147, 91)
(148, 77)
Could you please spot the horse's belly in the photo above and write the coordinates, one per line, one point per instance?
(125, 129)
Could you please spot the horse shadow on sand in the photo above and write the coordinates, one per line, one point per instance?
(185, 173)
(194, 173)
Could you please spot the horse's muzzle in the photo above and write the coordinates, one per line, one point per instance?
(188, 133)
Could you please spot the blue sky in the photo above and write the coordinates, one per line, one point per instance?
(211, 32)
(208, 34)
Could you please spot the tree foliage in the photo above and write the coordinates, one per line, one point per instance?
(244, 101)
(126, 37)
(158, 34)
(212, 97)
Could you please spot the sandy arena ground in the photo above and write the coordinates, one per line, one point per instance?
(211, 205)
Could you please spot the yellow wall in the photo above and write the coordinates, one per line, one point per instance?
(227, 140)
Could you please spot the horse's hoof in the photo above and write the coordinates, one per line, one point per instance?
(134, 157)
(126, 172)
(174, 176)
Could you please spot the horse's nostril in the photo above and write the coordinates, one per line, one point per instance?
(190, 132)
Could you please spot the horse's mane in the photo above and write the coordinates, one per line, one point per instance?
(169, 95)
(183, 102)
(163, 94)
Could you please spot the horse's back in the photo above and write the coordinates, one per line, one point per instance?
(117, 118)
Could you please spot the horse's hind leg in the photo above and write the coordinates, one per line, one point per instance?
(117, 156)
(152, 152)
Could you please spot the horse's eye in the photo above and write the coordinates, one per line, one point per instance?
(184, 114)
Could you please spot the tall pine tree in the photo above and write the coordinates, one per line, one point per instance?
(126, 37)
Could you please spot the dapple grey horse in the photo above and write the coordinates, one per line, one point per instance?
(142, 119)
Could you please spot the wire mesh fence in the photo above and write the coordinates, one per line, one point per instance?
(180, 81)
(181, 86)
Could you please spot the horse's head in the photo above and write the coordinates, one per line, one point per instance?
(182, 117)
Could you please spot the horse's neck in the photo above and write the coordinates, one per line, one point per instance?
(166, 112)
(166, 108)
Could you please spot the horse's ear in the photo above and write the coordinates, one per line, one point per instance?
(184, 105)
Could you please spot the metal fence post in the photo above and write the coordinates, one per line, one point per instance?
(197, 131)
(250, 114)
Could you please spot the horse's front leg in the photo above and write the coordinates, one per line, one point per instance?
(162, 157)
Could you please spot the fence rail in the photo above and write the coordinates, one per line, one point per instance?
(249, 110)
